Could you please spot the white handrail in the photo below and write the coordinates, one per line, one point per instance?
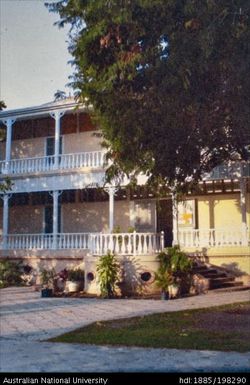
(48, 163)
(98, 243)
(220, 237)
(127, 243)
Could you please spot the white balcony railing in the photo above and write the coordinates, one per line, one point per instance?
(49, 163)
(96, 243)
(233, 170)
(127, 243)
(213, 237)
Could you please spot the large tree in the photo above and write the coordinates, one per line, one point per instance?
(168, 81)
(6, 184)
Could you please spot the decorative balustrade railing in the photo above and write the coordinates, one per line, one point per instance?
(213, 237)
(28, 241)
(47, 241)
(96, 243)
(234, 170)
(127, 243)
(49, 163)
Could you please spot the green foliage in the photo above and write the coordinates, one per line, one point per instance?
(76, 275)
(108, 274)
(2, 105)
(180, 263)
(163, 278)
(6, 185)
(116, 229)
(48, 277)
(10, 273)
(168, 80)
(174, 268)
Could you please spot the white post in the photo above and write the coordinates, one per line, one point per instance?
(175, 220)
(111, 191)
(243, 210)
(55, 217)
(57, 116)
(162, 241)
(8, 122)
(5, 198)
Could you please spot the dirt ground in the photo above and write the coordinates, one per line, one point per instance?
(237, 320)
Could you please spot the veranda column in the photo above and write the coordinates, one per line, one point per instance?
(55, 218)
(5, 198)
(243, 207)
(111, 191)
(57, 116)
(175, 220)
(8, 122)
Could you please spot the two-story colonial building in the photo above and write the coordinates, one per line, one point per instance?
(59, 212)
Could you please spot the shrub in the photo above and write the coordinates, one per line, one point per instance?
(10, 273)
(174, 268)
(48, 277)
(108, 273)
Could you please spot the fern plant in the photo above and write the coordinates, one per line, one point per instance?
(174, 268)
(108, 273)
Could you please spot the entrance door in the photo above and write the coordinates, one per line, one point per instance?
(165, 220)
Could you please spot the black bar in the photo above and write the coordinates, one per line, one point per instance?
(232, 378)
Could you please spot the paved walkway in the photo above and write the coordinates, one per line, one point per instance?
(27, 319)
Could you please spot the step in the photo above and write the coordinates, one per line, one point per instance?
(230, 289)
(221, 279)
(217, 275)
(217, 285)
(204, 270)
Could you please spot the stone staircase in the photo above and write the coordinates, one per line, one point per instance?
(217, 278)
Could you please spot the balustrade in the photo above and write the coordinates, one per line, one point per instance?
(48, 163)
(97, 243)
(213, 237)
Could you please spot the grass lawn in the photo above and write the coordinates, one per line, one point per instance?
(225, 328)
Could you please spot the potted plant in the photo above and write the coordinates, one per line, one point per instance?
(75, 280)
(48, 282)
(108, 275)
(163, 276)
(173, 270)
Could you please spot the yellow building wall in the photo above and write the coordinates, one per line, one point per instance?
(28, 148)
(26, 219)
(218, 211)
(84, 141)
(36, 147)
(76, 218)
(94, 216)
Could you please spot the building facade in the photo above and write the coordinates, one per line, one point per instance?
(60, 213)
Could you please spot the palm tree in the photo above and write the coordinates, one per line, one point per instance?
(59, 95)
(2, 105)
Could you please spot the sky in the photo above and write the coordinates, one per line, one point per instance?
(33, 54)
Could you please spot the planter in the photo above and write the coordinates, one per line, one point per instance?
(45, 293)
(73, 286)
(164, 295)
(173, 291)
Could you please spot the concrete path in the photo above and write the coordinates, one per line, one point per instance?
(27, 319)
